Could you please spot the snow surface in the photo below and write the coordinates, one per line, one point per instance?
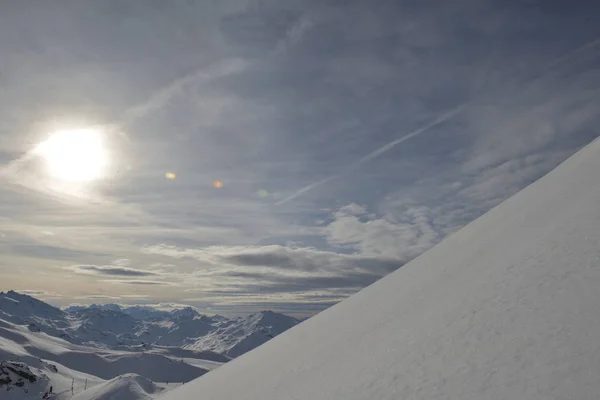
(506, 308)
(124, 387)
(19, 381)
(238, 337)
(60, 364)
(18, 342)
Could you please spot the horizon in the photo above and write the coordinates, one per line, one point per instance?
(166, 307)
(250, 155)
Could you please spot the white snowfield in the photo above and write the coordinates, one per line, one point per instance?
(56, 363)
(105, 364)
(506, 308)
(124, 387)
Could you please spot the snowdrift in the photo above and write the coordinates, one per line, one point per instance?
(124, 387)
(506, 308)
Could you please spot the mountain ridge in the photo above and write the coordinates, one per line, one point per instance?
(113, 326)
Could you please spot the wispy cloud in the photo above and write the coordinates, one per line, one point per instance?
(109, 270)
(97, 297)
(376, 153)
(275, 272)
(200, 76)
(141, 282)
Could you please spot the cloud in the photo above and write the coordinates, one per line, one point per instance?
(275, 273)
(140, 282)
(198, 77)
(376, 139)
(122, 262)
(31, 248)
(278, 257)
(97, 297)
(33, 292)
(41, 293)
(402, 237)
(378, 152)
(110, 270)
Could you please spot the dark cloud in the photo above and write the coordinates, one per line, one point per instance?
(24, 246)
(264, 259)
(270, 283)
(111, 270)
(306, 259)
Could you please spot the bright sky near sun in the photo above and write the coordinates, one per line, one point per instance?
(243, 155)
(76, 155)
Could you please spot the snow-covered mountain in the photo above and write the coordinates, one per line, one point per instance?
(506, 308)
(19, 381)
(26, 310)
(104, 352)
(238, 337)
(139, 328)
(33, 362)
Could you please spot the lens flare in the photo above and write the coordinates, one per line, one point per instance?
(218, 184)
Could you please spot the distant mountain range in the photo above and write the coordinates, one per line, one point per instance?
(116, 352)
(112, 326)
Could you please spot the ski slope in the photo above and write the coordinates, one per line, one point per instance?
(506, 308)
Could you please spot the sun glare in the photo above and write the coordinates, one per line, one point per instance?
(76, 155)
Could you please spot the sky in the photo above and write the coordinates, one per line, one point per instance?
(275, 155)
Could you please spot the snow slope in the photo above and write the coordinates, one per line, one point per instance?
(46, 374)
(32, 362)
(506, 308)
(23, 309)
(17, 342)
(124, 387)
(19, 381)
(245, 334)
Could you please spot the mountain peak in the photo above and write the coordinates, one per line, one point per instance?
(187, 312)
(18, 307)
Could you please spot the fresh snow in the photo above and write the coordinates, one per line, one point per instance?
(124, 387)
(506, 308)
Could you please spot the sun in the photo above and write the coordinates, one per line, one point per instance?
(79, 155)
